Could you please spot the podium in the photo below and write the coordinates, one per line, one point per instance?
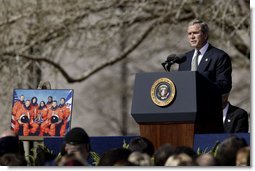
(195, 108)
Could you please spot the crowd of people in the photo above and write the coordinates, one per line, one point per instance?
(43, 119)
(76, 149)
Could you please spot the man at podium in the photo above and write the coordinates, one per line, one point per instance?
(208, 60)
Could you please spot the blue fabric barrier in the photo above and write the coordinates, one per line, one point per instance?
(102, 144)
(206, 141)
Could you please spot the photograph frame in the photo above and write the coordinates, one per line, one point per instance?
(39, 113)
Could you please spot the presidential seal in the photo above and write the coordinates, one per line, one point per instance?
(163, 92)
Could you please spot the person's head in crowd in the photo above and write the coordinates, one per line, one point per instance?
(70, 160)
(11, 159)
(77, 142)
(187, 150)
(162, 154)
(142, 145)
(9, 143)
(14, 136)
(207, 160)
(227, 150)
(181, 159)
(114, 157)
(140, 159)
(243, 157)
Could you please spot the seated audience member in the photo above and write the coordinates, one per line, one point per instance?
(11, 159)
(162, 154)
(207, 160)
(181, 159)
(227, 150)
(77, 142)
(186, 150)
(114, 157)
(235, 119)
(140, 159)
(142, 145)
(243, 157)
(70, 160)
(9, 143)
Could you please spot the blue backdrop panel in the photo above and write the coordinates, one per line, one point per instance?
(207, 141)
(102, 144)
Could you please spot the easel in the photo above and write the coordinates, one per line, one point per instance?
(32, 139)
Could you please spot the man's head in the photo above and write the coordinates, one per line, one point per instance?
(197, 33)
(62, 101)
(54, 103)
(50, 99)
(77, 142)
(27, 103)
(22, 98)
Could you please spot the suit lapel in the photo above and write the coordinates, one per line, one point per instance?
(189, 59)
(206, 60)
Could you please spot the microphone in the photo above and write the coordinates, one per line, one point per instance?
(171, 59)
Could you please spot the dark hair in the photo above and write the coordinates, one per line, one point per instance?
(142, 145)
(11, 159)
(227, 150)
(77, 136)
(204, 26)
(117, 156)
(162, 154)
(186, 150)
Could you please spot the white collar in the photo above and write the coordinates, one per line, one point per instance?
(225, 111)
(203, 49)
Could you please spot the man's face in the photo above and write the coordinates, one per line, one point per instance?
(62, 101)
(54, 104)
(197, 38)
(22, 98)
(27, 103)
(49, 99)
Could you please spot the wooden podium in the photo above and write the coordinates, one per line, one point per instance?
(196, 108)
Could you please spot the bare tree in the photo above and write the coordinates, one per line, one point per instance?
(68, 42)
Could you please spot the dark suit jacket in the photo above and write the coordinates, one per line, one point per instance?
(236, 120)
(215, 65)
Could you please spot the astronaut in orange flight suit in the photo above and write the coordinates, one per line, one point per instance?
(34, 111)
(22, 118)
(49, 102)
(56, 116)
(17, 105)
(42, 117)
(66, 113)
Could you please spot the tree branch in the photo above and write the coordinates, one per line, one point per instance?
(94, 70)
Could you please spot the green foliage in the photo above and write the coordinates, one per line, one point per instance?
(95, 157)
(212, 151)
(39, 155)
(125, 145)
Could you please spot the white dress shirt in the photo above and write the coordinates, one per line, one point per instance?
(225, 111)
(202, 52)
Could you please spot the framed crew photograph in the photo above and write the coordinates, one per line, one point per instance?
(41, 112)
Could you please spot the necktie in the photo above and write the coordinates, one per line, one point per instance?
(194, 62)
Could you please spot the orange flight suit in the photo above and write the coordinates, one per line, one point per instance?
(66, 113)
